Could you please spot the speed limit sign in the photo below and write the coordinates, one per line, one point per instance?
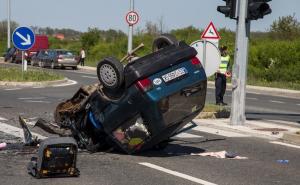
(132, 18)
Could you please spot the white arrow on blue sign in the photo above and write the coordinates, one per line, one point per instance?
(23, 38)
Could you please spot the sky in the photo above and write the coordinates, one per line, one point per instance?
(110, 14)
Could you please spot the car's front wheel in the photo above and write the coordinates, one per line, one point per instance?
(110, 73)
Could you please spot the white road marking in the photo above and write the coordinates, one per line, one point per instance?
(32, 98)
(218, 132)
(253, 93)
(12, 89)
(38, 87)
(251, 98)
(274, 101)
(187, 135)
(285, 144)
(15, 131)
(82, 73)
(70, 82)
(36, 101)
(94, 77)
(3, 119)
(177, 174)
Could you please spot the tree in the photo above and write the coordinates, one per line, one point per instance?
(90, 38)
(3, 28)
(286, 27)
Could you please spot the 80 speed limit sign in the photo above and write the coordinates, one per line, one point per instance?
(132, 18)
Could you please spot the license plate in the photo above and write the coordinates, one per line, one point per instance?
(174, 74)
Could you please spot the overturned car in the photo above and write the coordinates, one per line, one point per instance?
(141, 105)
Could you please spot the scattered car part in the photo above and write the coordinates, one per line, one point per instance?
(56, 158)
(28, 139)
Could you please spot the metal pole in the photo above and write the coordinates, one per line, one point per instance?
(130, 30)
(239, 76)
(204, 54)
(22, 64)
(8, 24)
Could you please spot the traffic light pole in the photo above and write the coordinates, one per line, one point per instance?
(239, 75)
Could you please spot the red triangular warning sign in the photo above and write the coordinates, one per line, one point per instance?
(210, 32)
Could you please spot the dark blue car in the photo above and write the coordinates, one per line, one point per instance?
(141, 105)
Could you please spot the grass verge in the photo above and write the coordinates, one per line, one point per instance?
(212, 111)
(13, 74)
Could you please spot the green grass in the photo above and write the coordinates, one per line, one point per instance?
(215, 108)
(13, 74)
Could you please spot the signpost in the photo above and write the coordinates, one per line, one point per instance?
(23, 39)
(210, 34)
(132, 18)
(212, 55)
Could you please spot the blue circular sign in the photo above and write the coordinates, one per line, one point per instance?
(23, 38)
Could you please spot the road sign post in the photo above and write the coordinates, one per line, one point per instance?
(210, 34)
(212, 55)
(132, 18)
(23, 39)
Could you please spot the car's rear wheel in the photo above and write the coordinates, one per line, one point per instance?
(163, 41)
(110, 73)
(74, 67)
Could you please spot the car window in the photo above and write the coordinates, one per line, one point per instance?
(65, 53)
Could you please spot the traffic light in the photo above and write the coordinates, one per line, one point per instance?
(258, 9)
(229, 10)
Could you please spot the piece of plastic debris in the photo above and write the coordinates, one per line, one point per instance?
(283, 161)
(220, 155)
(2, 146)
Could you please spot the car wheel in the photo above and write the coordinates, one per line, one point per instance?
(163, 41)
(110, 73)
(75, 68)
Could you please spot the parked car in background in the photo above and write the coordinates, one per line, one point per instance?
(9, 56)
(59, 58)
(38, 57)
(41, 42)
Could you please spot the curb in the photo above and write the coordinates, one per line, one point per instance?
(36, 84)
(87, 68)
(266, 90)
(213, 115)
(291, 138)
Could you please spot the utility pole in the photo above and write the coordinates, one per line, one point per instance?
(130, 29)
(239, 75)
(8, 24)
(243, 11)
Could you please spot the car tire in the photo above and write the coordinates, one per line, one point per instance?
(110, 73)
(75, 68)
(163, 41)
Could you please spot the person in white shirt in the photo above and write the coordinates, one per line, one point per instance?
(82, 57)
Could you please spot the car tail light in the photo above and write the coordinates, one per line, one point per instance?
(195, 61)
(144, 85)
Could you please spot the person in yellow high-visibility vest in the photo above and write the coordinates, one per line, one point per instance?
(221, 75)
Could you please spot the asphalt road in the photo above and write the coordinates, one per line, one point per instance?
(173, 165)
